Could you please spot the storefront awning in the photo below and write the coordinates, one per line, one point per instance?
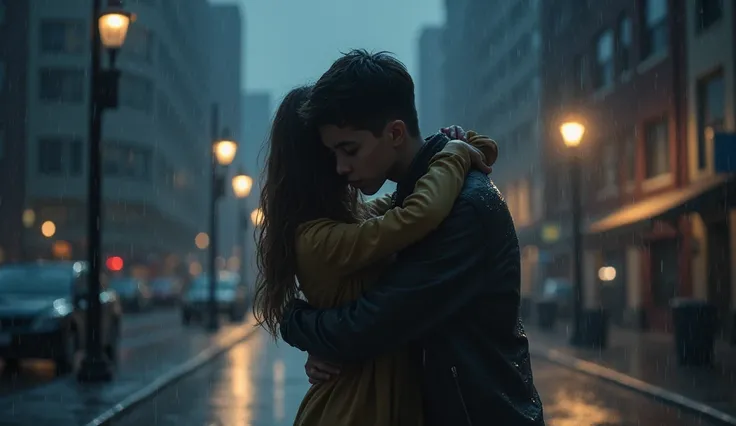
(672, 203)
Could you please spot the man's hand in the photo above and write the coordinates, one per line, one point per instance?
(454, 132)
(320, 371)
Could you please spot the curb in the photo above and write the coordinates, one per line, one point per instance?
(626, 381)
(171, 377)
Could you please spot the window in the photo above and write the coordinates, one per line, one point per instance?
(708, 13)
(609, 178)
(61, 85)
(139, 43)
(63, 36)
(76, 158)
(657, 148)
(604, 60)
(127, 161)
(51, 156)
(711, 112)
(136, 92)
(655, 37)
(629, 157)
(623, 47)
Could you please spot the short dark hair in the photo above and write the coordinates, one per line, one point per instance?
(363, 90)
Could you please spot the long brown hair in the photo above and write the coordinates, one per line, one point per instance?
(301, 184)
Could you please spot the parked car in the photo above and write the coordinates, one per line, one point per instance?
(229, 294)
(166, 291)
(43, 313)
(134, 294)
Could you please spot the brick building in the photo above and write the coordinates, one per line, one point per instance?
(619, 67)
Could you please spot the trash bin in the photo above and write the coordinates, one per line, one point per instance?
(695, 323)
(546, 314)
(594, 328)
(525, 310)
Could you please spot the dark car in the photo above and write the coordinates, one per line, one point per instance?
(134, 294)
(166, 291)
(229, 294)
(43, 313)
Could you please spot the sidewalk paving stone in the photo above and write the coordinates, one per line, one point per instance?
(66, 402)
(650, 357)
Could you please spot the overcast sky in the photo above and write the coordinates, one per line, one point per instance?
(292, 42)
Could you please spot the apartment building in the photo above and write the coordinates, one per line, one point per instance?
(155, 144)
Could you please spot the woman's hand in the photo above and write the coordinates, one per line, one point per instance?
(320, 371)
(454, 132)
(477, 158)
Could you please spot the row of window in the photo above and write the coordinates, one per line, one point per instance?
(67, 85)
(69, 36)
(65, 156)
(614, 46)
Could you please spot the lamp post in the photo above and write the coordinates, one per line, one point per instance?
(223, 154)
(572, 133)
(109, 29)
(242, 185)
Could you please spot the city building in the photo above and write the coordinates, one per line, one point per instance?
(155, 144)
(256, 122)
(711, 106)
(495, 84)
(225, 83)
(620, 68)
(430, 84)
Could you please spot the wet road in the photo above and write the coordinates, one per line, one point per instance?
(259, 383)
(139, 330)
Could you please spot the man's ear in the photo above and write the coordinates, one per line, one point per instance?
(396, 130)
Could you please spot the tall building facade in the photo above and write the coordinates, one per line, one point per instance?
(257, 116)
(711, 106)
(496, 91)
(155, 144)
(430, 87)
(632, 72)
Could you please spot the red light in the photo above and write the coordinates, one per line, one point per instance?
(114, 263)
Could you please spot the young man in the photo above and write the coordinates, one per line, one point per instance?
(454, 294)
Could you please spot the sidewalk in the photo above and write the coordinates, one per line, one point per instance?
(646, 361)
(66, 402)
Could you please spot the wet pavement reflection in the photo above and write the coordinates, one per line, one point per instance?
(260, 383)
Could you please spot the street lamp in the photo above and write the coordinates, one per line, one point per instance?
(256, 216)
(572, 133)
(223, 154)
(242, 184)
(109, 29)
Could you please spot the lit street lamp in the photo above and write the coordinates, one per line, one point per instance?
(242, 184)
(223, 154)
(256, 216)
(572, 133)
(109, 29)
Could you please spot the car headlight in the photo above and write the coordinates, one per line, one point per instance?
(49, 319)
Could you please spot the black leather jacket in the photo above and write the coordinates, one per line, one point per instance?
(456, 294)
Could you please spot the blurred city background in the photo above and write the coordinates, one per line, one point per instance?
(616, 122)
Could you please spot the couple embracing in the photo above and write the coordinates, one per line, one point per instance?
(408, 304)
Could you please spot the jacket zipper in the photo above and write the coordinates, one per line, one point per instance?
(460, 394)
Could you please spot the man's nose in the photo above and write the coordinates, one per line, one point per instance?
(343, 169)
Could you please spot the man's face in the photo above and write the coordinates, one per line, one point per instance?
(363, 158)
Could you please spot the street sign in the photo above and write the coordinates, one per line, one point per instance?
(724, 152)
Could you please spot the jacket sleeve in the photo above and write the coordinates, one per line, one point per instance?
(427, 284)
(347, 248)
(379, 206)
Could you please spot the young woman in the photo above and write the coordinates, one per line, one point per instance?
(317, 231)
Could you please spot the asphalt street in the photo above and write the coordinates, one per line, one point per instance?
(260, 383)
